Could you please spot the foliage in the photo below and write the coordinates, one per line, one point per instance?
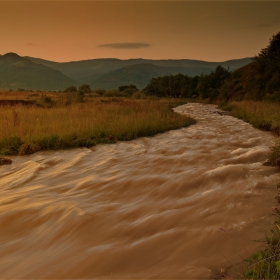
(268, 59)
(172, 86)
(71, 89)
(209, 86)
(128, 90)
(85, 88)
(204, 86)
(100, 91)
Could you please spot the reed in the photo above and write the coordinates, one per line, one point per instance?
(25, 130)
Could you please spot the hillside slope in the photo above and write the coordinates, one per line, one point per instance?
(111, 73)
(18, 72)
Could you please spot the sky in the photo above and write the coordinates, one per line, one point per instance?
(78, 30)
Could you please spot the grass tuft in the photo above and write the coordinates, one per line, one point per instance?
(265, 264)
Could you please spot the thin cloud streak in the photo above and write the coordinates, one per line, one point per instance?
(124, 45)
(32, 45)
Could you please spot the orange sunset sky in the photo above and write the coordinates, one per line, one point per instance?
(77, 30)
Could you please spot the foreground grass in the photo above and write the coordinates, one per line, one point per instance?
(265, 264)
(27, 130)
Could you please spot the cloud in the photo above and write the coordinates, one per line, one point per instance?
(32, 45)
(125, 45)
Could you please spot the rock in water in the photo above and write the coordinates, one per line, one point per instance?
(4, 161)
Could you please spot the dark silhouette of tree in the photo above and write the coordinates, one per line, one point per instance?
(128, 89)
(71, 89)
(85, 88)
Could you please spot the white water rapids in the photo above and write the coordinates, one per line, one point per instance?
(180, 205)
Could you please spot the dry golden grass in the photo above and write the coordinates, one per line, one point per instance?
(24, 130)
(263, 115)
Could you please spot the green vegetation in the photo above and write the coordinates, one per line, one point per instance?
(206, 86)
(265, 264)
(175, 86)
(25, 130)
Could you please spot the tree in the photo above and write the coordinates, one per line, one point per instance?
(209, 85)
(132, 87)
(128, 89)
(268, 60)
(71, 89)
(85, 88)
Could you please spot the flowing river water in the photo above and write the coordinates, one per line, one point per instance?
(180, 205)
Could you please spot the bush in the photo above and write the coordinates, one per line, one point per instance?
(71, 89)
(100, 91)
(139, 95)
(85, 88)
(10, 145)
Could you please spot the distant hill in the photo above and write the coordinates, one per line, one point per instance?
(19, 72)
(39, 74)
(111, 73)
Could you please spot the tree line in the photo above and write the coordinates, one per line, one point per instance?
(203, 86)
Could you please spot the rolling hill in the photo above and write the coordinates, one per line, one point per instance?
(35, 73)
(18, 72)
(111, 73)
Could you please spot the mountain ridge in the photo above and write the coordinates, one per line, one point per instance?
(95, 72)
(108, 73)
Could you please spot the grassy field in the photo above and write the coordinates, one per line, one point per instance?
(62, 124)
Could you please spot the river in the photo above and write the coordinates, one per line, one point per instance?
(180, 205)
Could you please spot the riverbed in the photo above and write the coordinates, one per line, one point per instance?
(181, 205)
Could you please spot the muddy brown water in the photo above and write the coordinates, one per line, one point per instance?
(180, 205)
